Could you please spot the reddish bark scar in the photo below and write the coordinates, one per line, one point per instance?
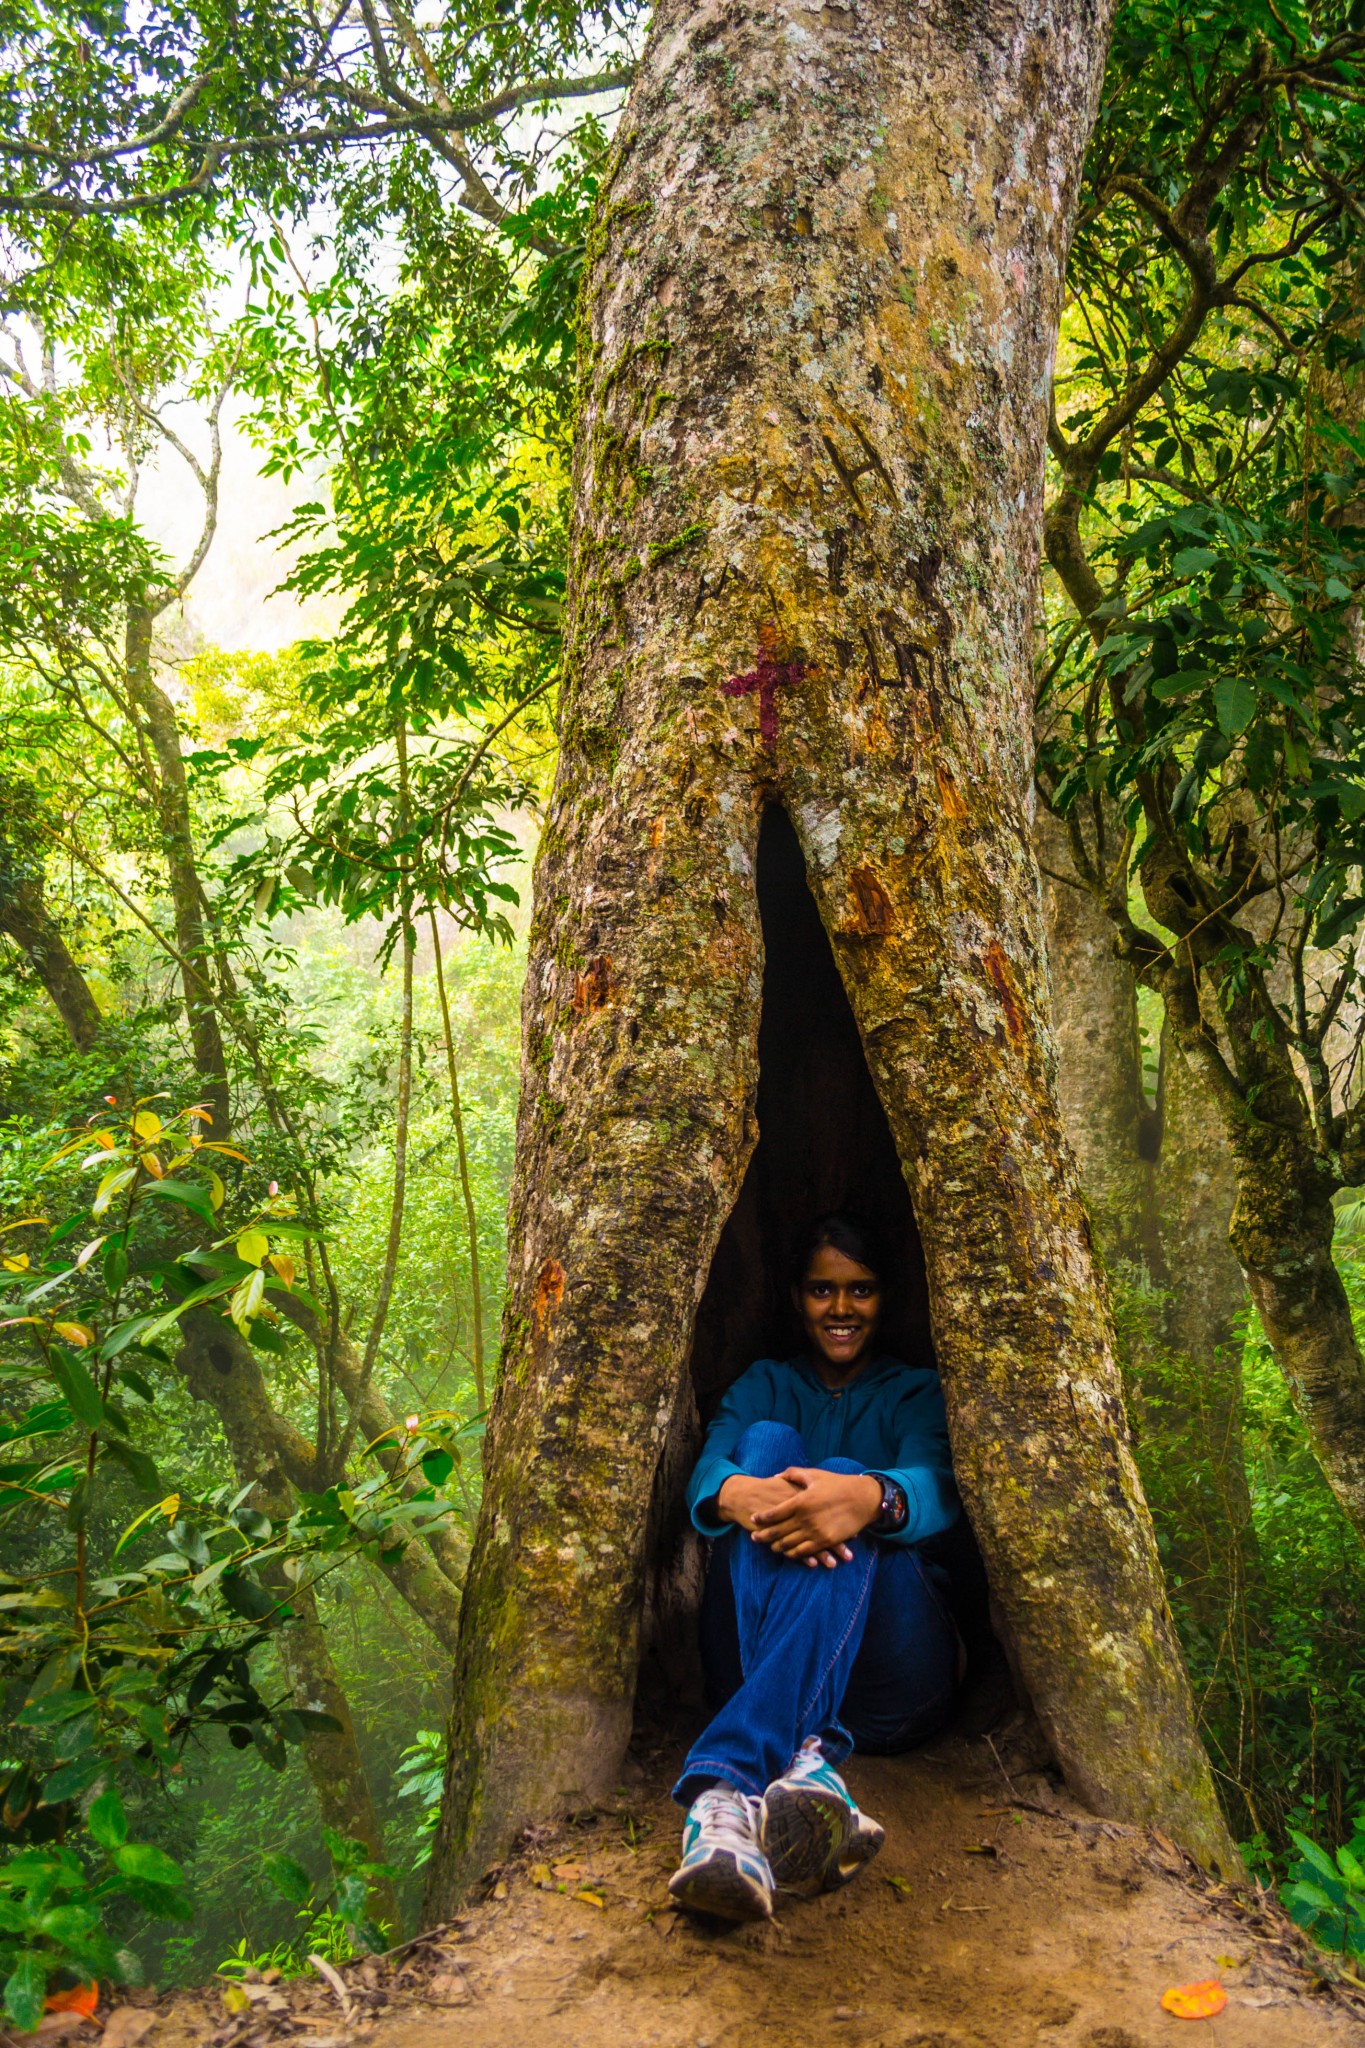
(953, 806)
(874, 905)
(549, 1292)
(767, 677)
(998, 967)
(594, 988)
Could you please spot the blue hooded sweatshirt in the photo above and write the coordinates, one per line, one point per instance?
(890, 1420)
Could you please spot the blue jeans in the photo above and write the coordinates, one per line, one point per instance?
(864, 1656)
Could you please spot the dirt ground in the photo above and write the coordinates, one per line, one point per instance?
(985, 1923)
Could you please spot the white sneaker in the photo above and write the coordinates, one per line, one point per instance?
(723, 1869)
(811, 1830)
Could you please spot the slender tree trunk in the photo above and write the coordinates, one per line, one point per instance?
(177, 836)
(471, 1219)
(1204, 1294)
(1160, 1186)
(25, 918)
(1099, 1057)
(1282, 1228)
(220, 1368)
(1282, 1224)
(821, 295)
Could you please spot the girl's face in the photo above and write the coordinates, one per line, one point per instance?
(840, 1303)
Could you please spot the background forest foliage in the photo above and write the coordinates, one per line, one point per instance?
(260, 907)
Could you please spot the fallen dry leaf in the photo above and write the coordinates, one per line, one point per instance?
(570, 1873)
(126, 2026)
(1195, 2001)
(448, 1988)
(58, 2026)
(900, 1884)
(590, 1898)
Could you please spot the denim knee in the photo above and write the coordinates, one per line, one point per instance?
(767, 1448)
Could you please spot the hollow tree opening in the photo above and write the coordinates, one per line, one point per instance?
(823, 1143)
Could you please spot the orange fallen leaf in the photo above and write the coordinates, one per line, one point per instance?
(571, 1873)
(1195, 2001)
(82, 1998)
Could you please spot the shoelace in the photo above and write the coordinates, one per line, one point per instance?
(729, 1819)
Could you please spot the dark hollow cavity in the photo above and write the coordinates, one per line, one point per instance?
(824, 1143)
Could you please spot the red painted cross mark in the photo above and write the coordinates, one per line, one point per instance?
(767, 678)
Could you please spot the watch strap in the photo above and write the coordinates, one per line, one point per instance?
(895, 1508)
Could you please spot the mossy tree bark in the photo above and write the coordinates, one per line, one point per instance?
(26, 919)
(159, 737)
(1204, 1294)
(1099, 1058)
(1160, 1186)
(820, 304)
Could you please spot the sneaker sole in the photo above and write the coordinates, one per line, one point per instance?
(861, 1847)
(805, 1835)
(720, 1888)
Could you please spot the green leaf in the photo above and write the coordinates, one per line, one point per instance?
(1234, 703)
(245, 1597)
(142, 1860)
(437, 1467)
(186, 1193)
(107, 1821)
(137, 1464)
(70, 1780)
(289, 1878)
(25, 1991)
(50, 1708)
(1316, 1858)
(1334, 926)
(1190, 560)
(82, 1395)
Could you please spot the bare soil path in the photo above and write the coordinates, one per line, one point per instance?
(984, 1924)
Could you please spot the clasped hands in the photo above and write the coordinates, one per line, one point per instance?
(804, 1513)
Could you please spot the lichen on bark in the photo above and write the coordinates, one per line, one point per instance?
(820, 304)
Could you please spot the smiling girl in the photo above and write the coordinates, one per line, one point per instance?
(822, 1629)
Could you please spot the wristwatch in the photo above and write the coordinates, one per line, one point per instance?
(894, 1509)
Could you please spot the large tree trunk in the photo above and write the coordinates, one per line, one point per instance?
(821, 297)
